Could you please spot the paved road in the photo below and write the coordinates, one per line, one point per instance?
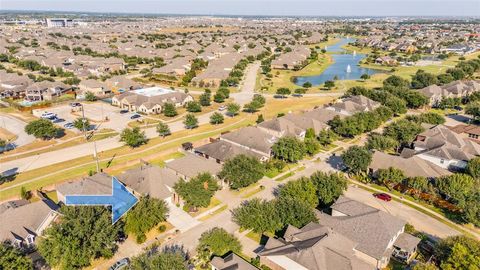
(247, 90)
(16, 127)
(81, 150)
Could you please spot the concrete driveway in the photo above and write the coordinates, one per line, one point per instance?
(179, 218)
(16, 127)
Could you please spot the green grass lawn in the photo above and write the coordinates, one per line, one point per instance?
(213, 202)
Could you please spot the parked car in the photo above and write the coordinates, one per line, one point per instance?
(458, 108)
(48, 115)
(120, 264)
(68, 125)
(383, 196)
(57, 120)
(75, 104)
(297, 95)
(135, 116)
(279, 96)
(123, 111)
(222, 108)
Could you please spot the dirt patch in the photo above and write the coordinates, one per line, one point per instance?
(7, 135)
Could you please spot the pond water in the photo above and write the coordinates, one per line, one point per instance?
(345, 66)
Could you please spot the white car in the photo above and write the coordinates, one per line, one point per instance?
(48, 115)
(222, 108)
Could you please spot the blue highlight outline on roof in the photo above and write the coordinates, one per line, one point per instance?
(121, 200)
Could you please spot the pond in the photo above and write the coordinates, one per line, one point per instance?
(345, 66)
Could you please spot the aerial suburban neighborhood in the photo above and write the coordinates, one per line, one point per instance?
(226, 140)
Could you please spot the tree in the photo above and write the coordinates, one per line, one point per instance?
(259, 119)
(326, 137)
(259, 215)
(252, 107)
(24, 193)
(144, 216)
(163, 129)
(216, 118)
(242, 171)
(311, 146)
(219, 97)
(133, 137)
(169, 110)
(329, 186)
(198, 191)
(329, 84)
(457, 186)
(403, 131)
(473, 109)
(473, 167)
(3, 143)
(390, 176)
(90, 235)
(418, 183)
(310, 133)
(307, 84)
(193, 106)
(159, 261)
(458, 252)
(357, 159)
(365, 76)
(380, 142)
(82, 124)
(283, 91)
(233, 109)
(422, 79)
(205, 99)
(289, 148)
(428, 118)
(89, 96)
(190, 121)
(396, 82)
(302, 189)
(218, 242)
(42, 128)
(224, 91)
(12, 258)
(424, 266)
(294, 212)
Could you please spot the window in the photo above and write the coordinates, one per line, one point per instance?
(442, 161)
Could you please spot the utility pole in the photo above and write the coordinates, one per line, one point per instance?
(95, 154)
(83, 123)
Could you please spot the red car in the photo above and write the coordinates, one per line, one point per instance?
(383, 196)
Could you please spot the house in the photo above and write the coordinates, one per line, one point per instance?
(456, 89)
(176, 67)
(45, 90)
(12, 85)
(313, 247)
(412, 166)
(293, 60)
(93, 86)
(231, 262)
(467, 131)
(435, 94)
(121, 84)
(251, 138)
(354, 104)
(221, 151)
(375, 232)
(191, 165)
(150, 180)
(386, 60)
(445, 148)
(98, 184)
(150, 100)
(23, 221)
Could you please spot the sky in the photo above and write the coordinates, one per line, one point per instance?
(258, 7)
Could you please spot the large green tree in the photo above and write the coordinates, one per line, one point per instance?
(233, 109)
(193, 106)
(190, 121)
(242, 171)
(82, 234)
(198, 191)
(82, 124)
(144, 216)
(473, 109)
(259, 215)
(458, 252)
(403, 131)
(133, 137)
(289, 148)
(42, 128)
(218, 242)
(357, 159)
(12, 258)
(329, 186)
(380, 142)
(302, 189)
(292, 211)
(163, 129)
(169, 110)
(216, 118)
(159, 261)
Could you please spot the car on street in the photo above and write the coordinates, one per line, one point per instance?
(297, 95)
(123, 263)
(382, 196)
(57, 120)
(222, 108)
(135, 116)
(75, 104)
(68, 125)
(123, 111)
(279, 96)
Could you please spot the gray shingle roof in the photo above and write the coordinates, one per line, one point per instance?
(191, 165)
(223, 150)
(231, 262)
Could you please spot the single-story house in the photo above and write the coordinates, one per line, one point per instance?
(191, 165)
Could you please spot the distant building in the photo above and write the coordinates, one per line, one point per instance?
(59, 22)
